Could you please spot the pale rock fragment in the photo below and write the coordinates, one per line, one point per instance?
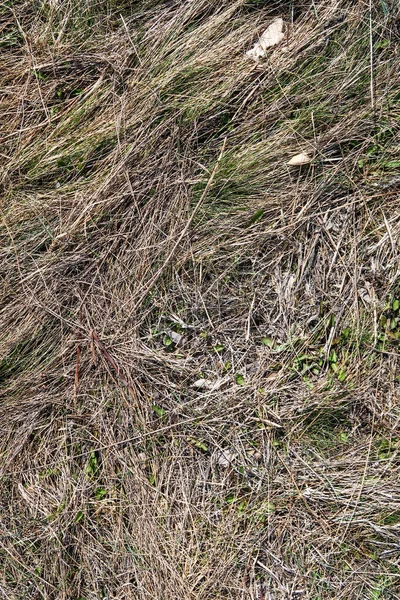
(299, 159)
(174, 336)
(206, 384)
(271, 37)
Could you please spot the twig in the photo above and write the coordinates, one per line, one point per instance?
(76, 382)
(111, 361)
(131, 40)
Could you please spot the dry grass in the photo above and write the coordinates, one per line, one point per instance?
(199, 368)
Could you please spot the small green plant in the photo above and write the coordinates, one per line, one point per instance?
(92, 466)
(100, 493)
(158, 410)
(392, 518)
(240, 380)
(218, 347)
(78, 517)
(386, 447)
(197, 443)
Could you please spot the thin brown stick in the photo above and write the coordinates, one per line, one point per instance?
(76, 380)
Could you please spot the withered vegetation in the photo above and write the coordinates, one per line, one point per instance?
(199, 342)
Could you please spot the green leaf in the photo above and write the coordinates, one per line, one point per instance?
(345, 333)
(92, 465)
(341, 375)
(158, 410)
(257, 216)
(218, 348)
(382, 44)
(39, 75)
(240, 380)
(396, 305)
(372, 150)
(269, 342)
(200, 445)
(385, 8)
(78, 516)
(167, 341)
(100, 493)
